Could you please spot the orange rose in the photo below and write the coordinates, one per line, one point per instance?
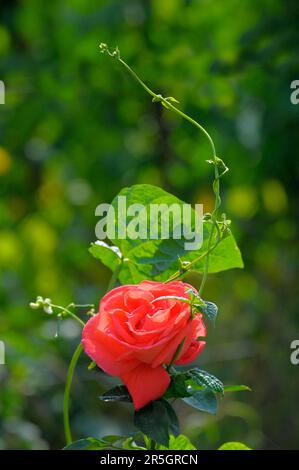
(135, 335)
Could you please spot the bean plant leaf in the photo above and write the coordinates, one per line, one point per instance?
(91, 443)
(157, 259)
(234, 446)
(109, 255)
(130, 444)
(180, 442)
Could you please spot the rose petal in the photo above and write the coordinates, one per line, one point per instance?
(191, 354)
(192, 348)
(110, 355)
(146, 384)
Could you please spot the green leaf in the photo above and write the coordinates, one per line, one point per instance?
(210, 310)
(90, 443)
(234, 446)
(83, 444)
(236, 388)
(204, 400)
(225, 256)
(185, 384)
(178, 387)
(112, 438)
(158, 259)
(119, 393)
(180, 442)
(130, 444)
(174, 425)
(92, 365)
(157, 420)
(206, 380)
(109, 255)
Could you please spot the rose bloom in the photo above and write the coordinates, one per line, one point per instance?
(134, 336)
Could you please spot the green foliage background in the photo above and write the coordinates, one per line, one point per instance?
(75, 130)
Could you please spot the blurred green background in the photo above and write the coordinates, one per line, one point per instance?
(75, 129)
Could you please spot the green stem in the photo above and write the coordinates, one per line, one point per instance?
(71, 314)
(135, 76)
(114, 277)
(170, 105)
(210, 249)
(216, 184)
(69, 379)
(180, 274)
(206, 267)
(73, 363)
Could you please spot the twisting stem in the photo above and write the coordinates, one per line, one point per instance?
(180, 274)
(66, 400)
(71, 314)
(206, 267)
(168, 103)
(69, 379)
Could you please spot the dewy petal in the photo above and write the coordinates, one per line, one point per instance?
(146, 383)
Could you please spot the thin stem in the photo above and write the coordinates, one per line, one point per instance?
(135, 76)
(206, 267)
(168, 104)
(195, 123)
(73, 363)
(69, 379)
(114, 277)
(180, 274)
(71, 314)
(82, 305)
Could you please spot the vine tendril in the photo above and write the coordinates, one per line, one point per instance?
(220, 168)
